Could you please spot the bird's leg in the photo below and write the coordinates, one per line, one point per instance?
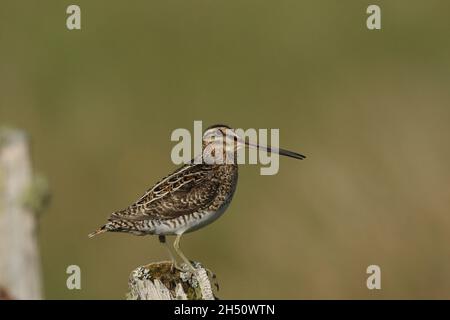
(162, 240)
(176, 245)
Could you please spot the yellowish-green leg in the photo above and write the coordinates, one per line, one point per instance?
(162, 240)
(176, 245)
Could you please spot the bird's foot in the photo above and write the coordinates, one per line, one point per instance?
(184, 267)
(188, 268)
(175, 266)
(191, 267)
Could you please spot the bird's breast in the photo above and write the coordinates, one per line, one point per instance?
(196, 220)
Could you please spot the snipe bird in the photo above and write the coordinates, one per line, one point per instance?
(191, 197)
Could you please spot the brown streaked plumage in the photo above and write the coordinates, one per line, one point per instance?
(191, 197)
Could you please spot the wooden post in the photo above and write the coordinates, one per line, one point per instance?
(159, 281)
(20, 272)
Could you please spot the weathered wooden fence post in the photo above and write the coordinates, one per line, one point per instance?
(158, 281)
(20, 271)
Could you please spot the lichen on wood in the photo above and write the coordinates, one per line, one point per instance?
(37, 196)
(160, 281)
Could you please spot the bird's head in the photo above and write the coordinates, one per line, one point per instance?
(222, 137)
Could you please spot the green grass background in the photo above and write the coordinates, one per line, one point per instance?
(370, 109)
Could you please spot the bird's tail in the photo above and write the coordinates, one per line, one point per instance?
(98, 231)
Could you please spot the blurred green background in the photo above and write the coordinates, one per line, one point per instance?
(370, 109)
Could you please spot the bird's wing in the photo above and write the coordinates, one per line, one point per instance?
(185, 191)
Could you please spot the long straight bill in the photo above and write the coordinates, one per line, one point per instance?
(282, 152)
